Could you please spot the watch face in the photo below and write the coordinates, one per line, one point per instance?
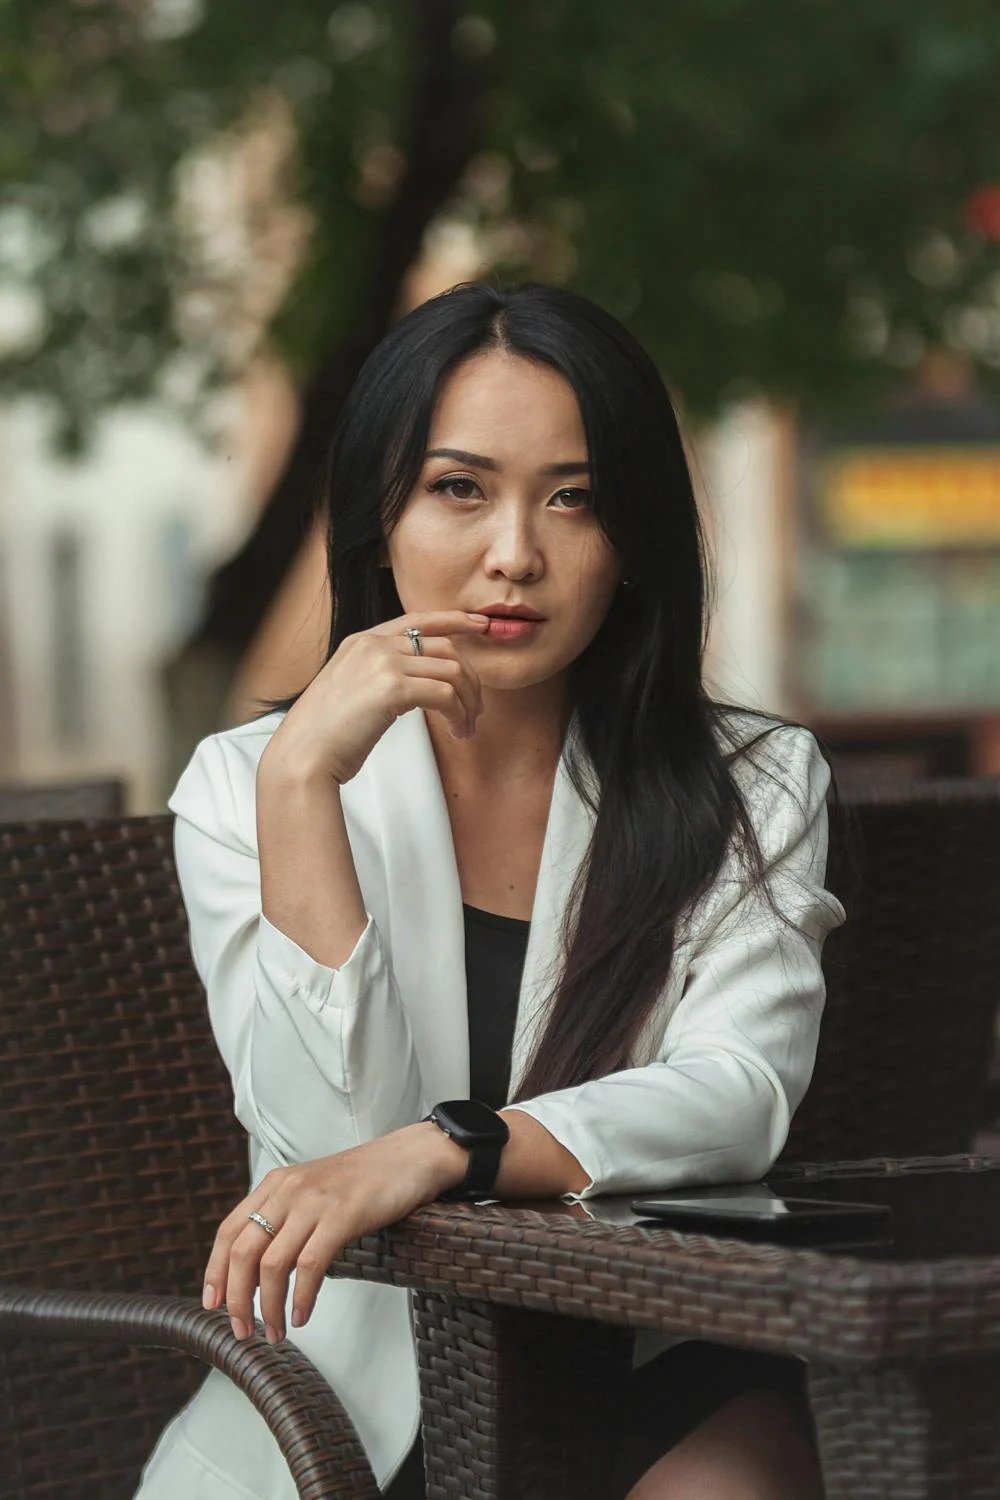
(470, 1117)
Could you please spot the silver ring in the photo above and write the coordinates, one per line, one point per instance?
(265, 1224)
(416, 640)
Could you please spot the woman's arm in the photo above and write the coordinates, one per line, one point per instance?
(534, 1164)
(738, 1050)
(285, 1022)
(317, 1207)
(303, 1000)
(308, 882)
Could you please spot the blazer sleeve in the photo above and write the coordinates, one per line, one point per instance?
(320, 1058)
(737, 1052)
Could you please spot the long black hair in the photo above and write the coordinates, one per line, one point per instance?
(668, 807)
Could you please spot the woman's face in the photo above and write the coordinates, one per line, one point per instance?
(500, 516)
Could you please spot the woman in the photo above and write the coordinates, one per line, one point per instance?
(502, 847)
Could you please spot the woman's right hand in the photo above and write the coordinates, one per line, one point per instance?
(374, 677)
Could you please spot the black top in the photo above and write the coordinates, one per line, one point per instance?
(494, 957)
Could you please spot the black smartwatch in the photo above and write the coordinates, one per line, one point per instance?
(480, 1131)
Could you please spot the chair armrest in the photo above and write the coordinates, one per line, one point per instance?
(301, 1409)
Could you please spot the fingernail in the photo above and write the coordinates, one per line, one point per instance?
(240, 1329)
(298, 1318)
(208, 1296)
(473, 615)
(271, 1334)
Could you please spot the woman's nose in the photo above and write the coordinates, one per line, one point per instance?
(514, 550)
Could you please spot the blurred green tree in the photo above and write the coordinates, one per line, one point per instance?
(775, 197)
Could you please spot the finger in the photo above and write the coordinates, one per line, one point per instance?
(436, 622)
(442, 698)
(217, 1270)
(456, 674)
(441, 648)
(276, 1266)
(314, 1260)
(244, 1274)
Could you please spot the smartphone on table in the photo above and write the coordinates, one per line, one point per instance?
(753, 1208)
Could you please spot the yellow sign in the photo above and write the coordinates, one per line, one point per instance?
(912, 497)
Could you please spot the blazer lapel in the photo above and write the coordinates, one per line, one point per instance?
(424, 923)
(426, 934)
(567, 839)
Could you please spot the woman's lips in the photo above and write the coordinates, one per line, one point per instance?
(506, 628)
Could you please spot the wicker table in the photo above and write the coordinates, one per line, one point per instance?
(520, 1311)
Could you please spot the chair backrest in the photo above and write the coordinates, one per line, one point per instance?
(121, 1153)
(913, 976)
(62, 800)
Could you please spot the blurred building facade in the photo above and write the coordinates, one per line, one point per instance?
(894, 645)
(101, 565)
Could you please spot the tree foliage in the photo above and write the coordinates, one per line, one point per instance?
(773, 196)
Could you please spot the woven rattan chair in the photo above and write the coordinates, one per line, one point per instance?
(913, 977)
(121, 1155)
(62, 800)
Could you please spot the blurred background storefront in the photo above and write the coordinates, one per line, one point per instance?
(896, 613)
(205, 225)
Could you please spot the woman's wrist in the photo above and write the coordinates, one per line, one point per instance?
(444, 1162)
(288, 765)
(533, 1164)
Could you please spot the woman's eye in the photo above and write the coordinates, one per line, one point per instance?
(572, 499)
(456, 489)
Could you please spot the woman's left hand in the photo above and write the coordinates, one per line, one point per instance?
(316, 1208)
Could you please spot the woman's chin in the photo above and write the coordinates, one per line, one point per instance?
(520, 676)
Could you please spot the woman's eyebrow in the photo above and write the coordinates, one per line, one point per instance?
(478, 461)
(573, 467)
(474, 460)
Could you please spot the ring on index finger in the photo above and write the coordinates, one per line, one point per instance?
(416, 640)
(265, 1224)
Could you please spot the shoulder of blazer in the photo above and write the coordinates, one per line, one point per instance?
(217, 790)
(215, 793)
(771, 760)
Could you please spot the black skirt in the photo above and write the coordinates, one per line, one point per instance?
(668, 1398)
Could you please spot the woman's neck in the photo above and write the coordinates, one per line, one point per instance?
(518, 737)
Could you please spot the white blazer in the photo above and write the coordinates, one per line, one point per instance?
(323, 1058)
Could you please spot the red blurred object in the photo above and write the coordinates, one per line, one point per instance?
(982, 211)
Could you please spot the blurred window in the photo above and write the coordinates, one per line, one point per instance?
(182, 583)
(898, 587)
(69, 688)
(886, 632)
(8, 713)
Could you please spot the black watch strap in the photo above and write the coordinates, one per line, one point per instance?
(484, 1164)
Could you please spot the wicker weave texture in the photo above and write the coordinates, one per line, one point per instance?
(122, 1145)
(121, 1152)
(913, 978)
(833, 1308)
(505, 1397)
(906, 1357)
(310, 1425)
(904, 1433)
